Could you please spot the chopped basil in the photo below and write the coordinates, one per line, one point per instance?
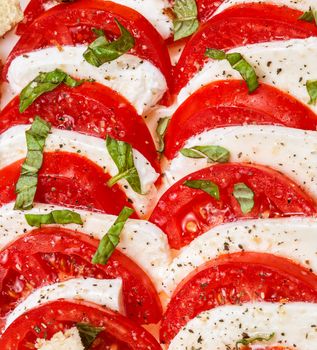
(44, 82)
(238, 63)
(88, 333)
(54, 217)
(27, 183)
(309, 16)
(110, 240)
(311, 86)
(101, 50)
(161, 131)
(205, 185)
(245, 196)
(186, 21)
(212, 153)
(245, 341)
(122, 155)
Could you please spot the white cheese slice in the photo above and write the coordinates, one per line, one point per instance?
(70, 340)
(13, 147)
(292, 238)
(140, 240)
(138, 80)
(102, 292)
(293, 325)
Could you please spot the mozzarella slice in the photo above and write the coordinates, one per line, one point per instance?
(139, 81)
(286, 65)
(293, 325)
(140, 240)
(70, 340)
(290, 151)
(13, 147)
(102, 292)
(292, 238)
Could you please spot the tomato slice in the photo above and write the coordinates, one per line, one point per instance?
(91, 109)
(52, 254)
(228, 103)
(256, 23)
(70, 180)
(235, 279)
(72, 23)
(43, 322)
(184, 213)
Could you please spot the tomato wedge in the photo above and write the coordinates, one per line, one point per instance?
(239, 26)
(234, 279)
(52, 254)
(184, 213)
(68, 179)
(43, 322)
(91, 109)
(72, 23)
(228, 103)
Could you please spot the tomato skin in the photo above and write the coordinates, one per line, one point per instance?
(195, 212)
(53, 254)
(228, 103)
(63, 314)
(91, 109)
(68, 179)
(256, 22)
(234, 279)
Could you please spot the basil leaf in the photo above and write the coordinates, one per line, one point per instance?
(309, 16)
(88, 333)
(250, 340)
(27, 183)
(122, 155)
(110, 240)
(98, 32)
(205, 185)
(186, 21)
(161, 131)
(311, 86)
(44, 82)
(239, 64)
(101, 50)
(213, 153)
(55, 217)
(245, 197)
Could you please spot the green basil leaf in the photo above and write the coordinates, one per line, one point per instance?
(27, 183)
(161, 131)
(205, 185)
(186, 18)
(309, 16)
(250, 340)
(213, 153)
(44, 82)
(245, 197)
(88, 333)
(311, 86)
(239, 64)
(101, 50)
(109, 241)
(122, 155)
(55, 217)
(98, 32)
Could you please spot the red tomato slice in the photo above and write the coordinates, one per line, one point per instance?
(51, 255)
(256, 23)
(91, 109)
(228, 103)
(43, 322)
(68, 179)
(72, 23)
(184, 213)
(235, 279)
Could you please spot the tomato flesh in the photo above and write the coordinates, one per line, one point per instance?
(228, 103)
(195, 212)
(51, 255)
(256, 22)
(235, 279)
(43, 322)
